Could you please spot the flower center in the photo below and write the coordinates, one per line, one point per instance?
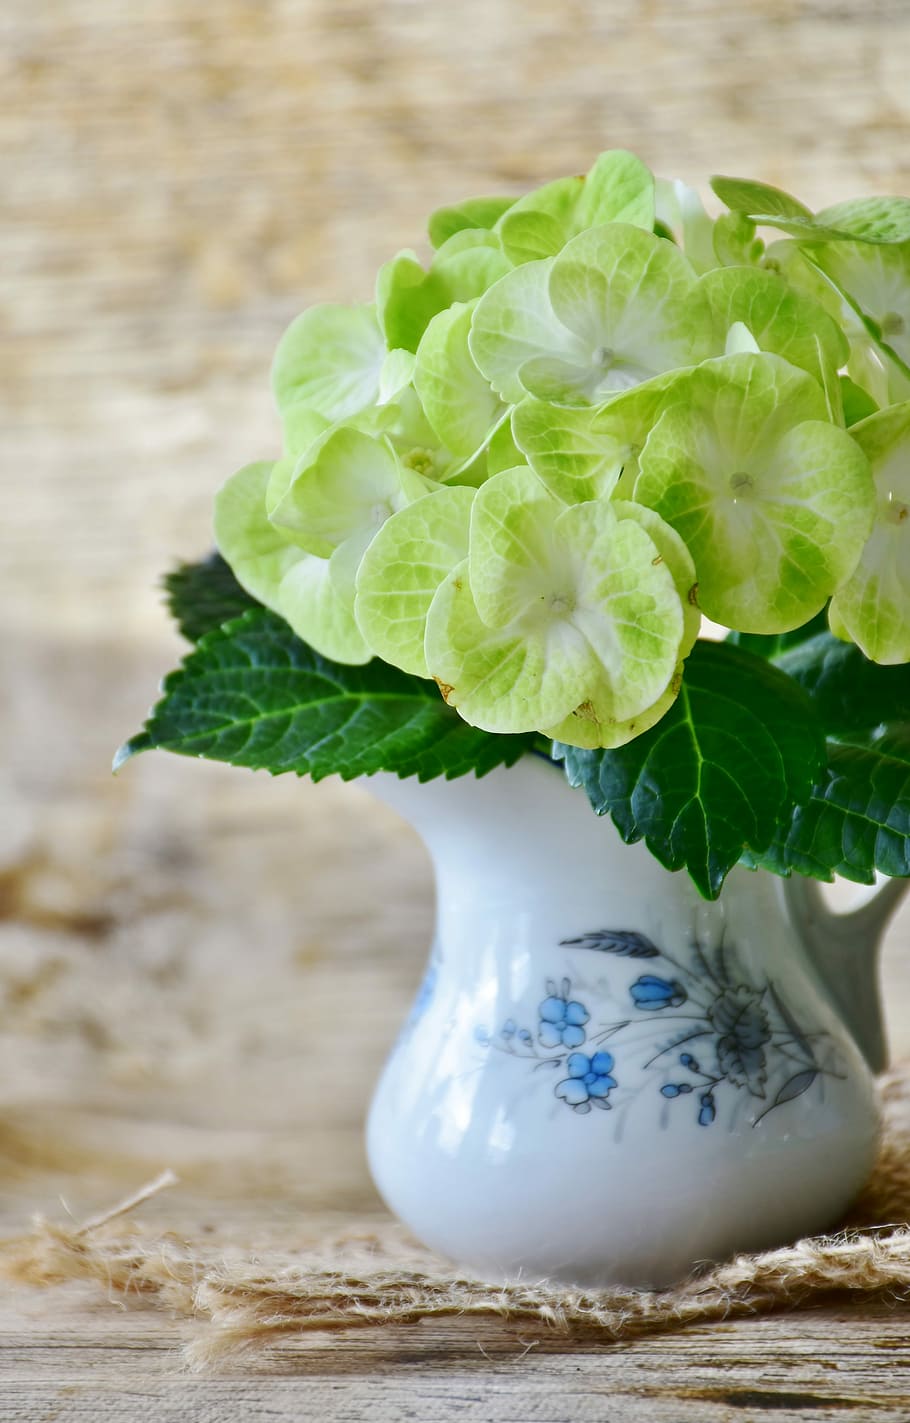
(741, 484)
(897, 512)
(893, 324)
(561, 603)
(603, 357)
(419, 460)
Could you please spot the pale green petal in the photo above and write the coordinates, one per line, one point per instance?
(469, 272)
(740, 340)
(459, 403)
(279, 482)
(785, 322)
(502, 451)
(581, 453)
(444, 223)
(678, 560)
(258, 553)
(531, 236)
(301, 426)
(397, 372)
(320, 609)
(514, 322)
(884, 220)
(632, 301)
(407, 298)
(618, 188)
(401, 570)
(734, 241)
(575, 459)
(773, 502)
(873, 606)
(414, 440)
(505, 679)
(330, 359)
(511, 544)
(591, 727)
(758, 199)
(876, 281)
(681, 210)
(606, 620)
(295, 584)
(465, 240)
(558, 199)
(564, 382)
(626, 602)
(352, 484)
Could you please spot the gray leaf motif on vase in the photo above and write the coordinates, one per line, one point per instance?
(730, 1040)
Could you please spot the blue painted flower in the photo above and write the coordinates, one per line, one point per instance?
(562, 1022)
(652, 993)
(707, 1110)
(590, 1080)
(675, 1089)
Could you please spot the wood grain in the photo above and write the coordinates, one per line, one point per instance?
(178, 947)
(94, 1365)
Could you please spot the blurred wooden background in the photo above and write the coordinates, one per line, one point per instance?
(200, 967)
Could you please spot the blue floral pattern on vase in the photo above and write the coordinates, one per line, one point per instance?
(562, 1020)
(750, 1047)
(652, 993)
(590, 1081)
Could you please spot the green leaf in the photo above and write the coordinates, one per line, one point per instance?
(772, 645)
(254, 695)
(857, 820)
(851, 693)
(202, 596)
(740, 746)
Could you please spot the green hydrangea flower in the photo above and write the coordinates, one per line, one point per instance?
(595, 410)
(556, 607)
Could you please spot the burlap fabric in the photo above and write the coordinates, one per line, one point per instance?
(248, 1299)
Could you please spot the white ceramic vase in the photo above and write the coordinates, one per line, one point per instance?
(605, 1079)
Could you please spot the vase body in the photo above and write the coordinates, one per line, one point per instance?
(605, 1079)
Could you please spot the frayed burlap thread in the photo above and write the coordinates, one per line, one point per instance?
(379, 1278)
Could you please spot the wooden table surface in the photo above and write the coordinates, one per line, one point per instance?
(179, 178)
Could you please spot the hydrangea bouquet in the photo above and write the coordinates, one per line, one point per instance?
(512, 485)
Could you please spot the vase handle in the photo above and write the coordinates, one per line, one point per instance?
(844, 949)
